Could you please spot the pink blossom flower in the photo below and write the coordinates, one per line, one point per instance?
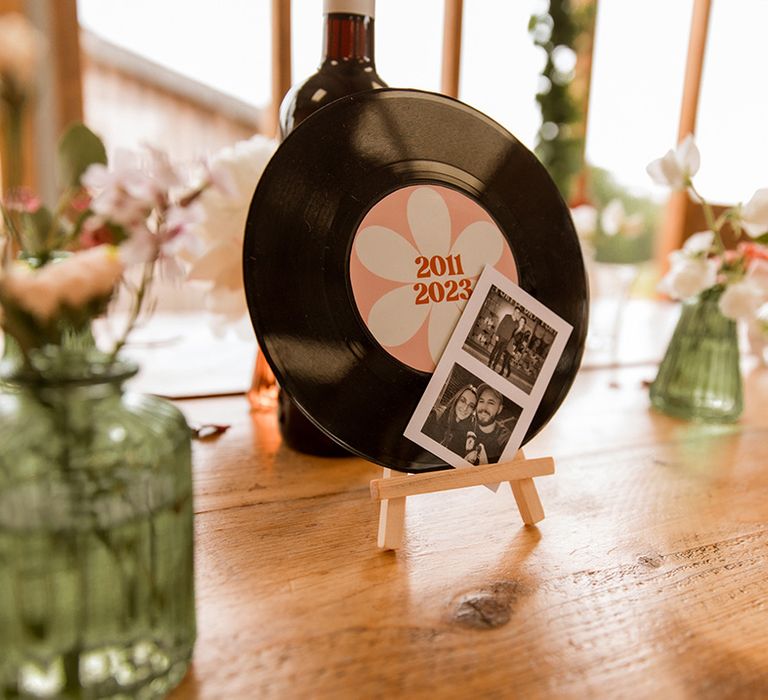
(115, 192)
(753, 251)
(22, 200)
(71, 281)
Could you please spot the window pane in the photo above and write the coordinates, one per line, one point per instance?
(222, 44)
(501, 65)
(733, 107)
(184, 76)
(637, 84)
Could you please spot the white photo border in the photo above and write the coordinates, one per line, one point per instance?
(455, 354)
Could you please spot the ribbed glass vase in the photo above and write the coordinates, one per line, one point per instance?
(700, 377)
(96, 566)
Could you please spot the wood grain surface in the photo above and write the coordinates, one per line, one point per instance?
(647, 578)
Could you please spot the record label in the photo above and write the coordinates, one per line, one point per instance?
(414, 262)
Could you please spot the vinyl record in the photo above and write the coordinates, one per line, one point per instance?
(360, 200)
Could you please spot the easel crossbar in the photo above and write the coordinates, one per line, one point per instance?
(414, 484)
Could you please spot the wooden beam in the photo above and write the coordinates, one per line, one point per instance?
(281, 60)
(58, 99)
(673, 229)
(65, 40)
(23, 170)
(580, 89)
(451, 47)
(694, 67)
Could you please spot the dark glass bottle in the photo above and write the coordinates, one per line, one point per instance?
(347, 67)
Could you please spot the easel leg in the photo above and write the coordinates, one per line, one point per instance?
(391, 520)
(528, 502)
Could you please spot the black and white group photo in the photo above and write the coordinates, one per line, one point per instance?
(471, 419)
(510, 339)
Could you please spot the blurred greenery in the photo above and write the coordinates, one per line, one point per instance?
(559, 143)
(559, 30)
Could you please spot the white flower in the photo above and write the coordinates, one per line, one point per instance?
(72, 281)
(688, 276)
(757, 274)
(762, 316)
(741, 300)
(614, 220)
(699, 243)
(677, 167)
(21, 50)
(584, 220)
(612, 217)
(754, 214)
(236, 171)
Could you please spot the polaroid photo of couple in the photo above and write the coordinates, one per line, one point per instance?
(491, 377)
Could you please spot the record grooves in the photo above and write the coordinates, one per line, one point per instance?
(323, 180)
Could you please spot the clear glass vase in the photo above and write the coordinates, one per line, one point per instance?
(700, 377)
(96, 564)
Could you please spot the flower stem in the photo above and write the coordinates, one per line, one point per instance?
(138, 302)
(709, 217)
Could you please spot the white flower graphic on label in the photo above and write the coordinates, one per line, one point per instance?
(436, 277)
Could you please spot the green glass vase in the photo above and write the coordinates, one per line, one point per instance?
(96, 565)
(700, 378)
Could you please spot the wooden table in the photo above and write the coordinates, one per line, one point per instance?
(647, 578)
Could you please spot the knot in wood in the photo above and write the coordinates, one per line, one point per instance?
(652, 561)
(483, 610)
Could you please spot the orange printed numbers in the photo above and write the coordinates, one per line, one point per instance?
(435, 292)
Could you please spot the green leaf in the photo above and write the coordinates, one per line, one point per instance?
(79, 147)
(762, 239)
(35, 229)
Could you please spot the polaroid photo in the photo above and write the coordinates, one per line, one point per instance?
(491, 377)
(470, 420)
(510, 338)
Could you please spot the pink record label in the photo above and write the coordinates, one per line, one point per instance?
(415, 259)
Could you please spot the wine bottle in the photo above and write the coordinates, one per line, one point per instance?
(347, 67)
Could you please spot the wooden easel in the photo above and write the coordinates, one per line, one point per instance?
(393, 490)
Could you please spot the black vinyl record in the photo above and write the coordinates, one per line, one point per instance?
(322, 181)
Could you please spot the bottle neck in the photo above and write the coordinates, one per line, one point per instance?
(348, 38)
